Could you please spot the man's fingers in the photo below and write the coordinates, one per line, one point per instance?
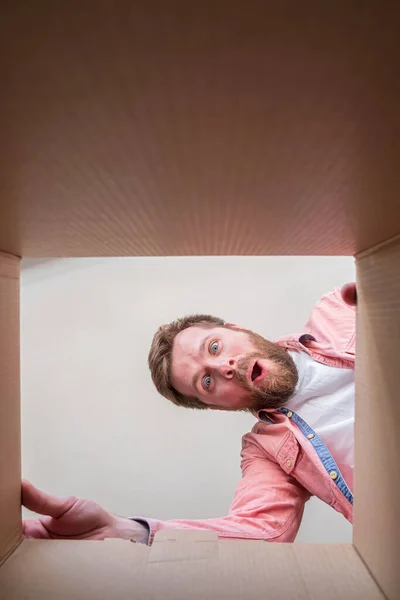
(44, 504)
(34, 528)
(349, 294)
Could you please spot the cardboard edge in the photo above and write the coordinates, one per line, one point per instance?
(7, 265)
(12, 550)
(376, 248)
(369, 571)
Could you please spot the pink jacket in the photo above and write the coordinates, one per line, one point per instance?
(280, 467)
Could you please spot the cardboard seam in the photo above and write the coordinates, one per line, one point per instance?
(9, 266)
(10, 256)
(377, 247)
(369, 570)
(11, 552)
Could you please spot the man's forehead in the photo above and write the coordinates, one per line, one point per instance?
(191, 337)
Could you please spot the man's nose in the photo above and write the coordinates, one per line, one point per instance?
(227, 368)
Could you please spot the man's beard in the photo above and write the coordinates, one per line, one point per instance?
(277, 387)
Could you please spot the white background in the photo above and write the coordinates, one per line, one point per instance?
(92, 423)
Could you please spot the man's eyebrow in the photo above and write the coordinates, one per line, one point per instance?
(202, 348)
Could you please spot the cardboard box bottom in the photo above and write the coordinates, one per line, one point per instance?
(184, 565)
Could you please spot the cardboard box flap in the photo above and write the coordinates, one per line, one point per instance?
(377, 440)
(66, 570)
(10, 439)
(140, 129)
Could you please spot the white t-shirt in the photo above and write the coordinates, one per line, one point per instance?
(324, 398)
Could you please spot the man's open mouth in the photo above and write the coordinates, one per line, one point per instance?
(257, 372)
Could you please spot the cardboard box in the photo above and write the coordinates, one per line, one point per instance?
(150, 128)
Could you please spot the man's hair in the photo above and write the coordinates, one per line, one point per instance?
(160, 354)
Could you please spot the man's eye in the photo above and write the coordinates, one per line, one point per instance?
(206, 382)
(214, 347)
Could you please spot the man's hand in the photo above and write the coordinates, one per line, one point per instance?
(75, 519)
(349, 294)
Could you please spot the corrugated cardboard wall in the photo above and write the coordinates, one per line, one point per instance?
(377, 449)
(189, 568)
(10, 467)
(176, 128)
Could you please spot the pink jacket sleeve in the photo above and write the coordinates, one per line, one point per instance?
(268, 503)
(333, 325)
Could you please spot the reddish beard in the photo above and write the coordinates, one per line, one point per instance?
(278, 385)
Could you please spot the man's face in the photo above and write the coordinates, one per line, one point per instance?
(231, 368)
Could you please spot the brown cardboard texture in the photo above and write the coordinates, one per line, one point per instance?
(10, 455)
(150, 128)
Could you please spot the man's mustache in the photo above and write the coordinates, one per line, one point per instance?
(242, 369)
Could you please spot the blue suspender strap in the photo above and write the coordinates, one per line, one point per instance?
(325, 456)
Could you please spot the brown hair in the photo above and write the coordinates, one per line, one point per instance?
(159, 359)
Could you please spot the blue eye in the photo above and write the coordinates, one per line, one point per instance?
(206, 382)
(214, 347)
